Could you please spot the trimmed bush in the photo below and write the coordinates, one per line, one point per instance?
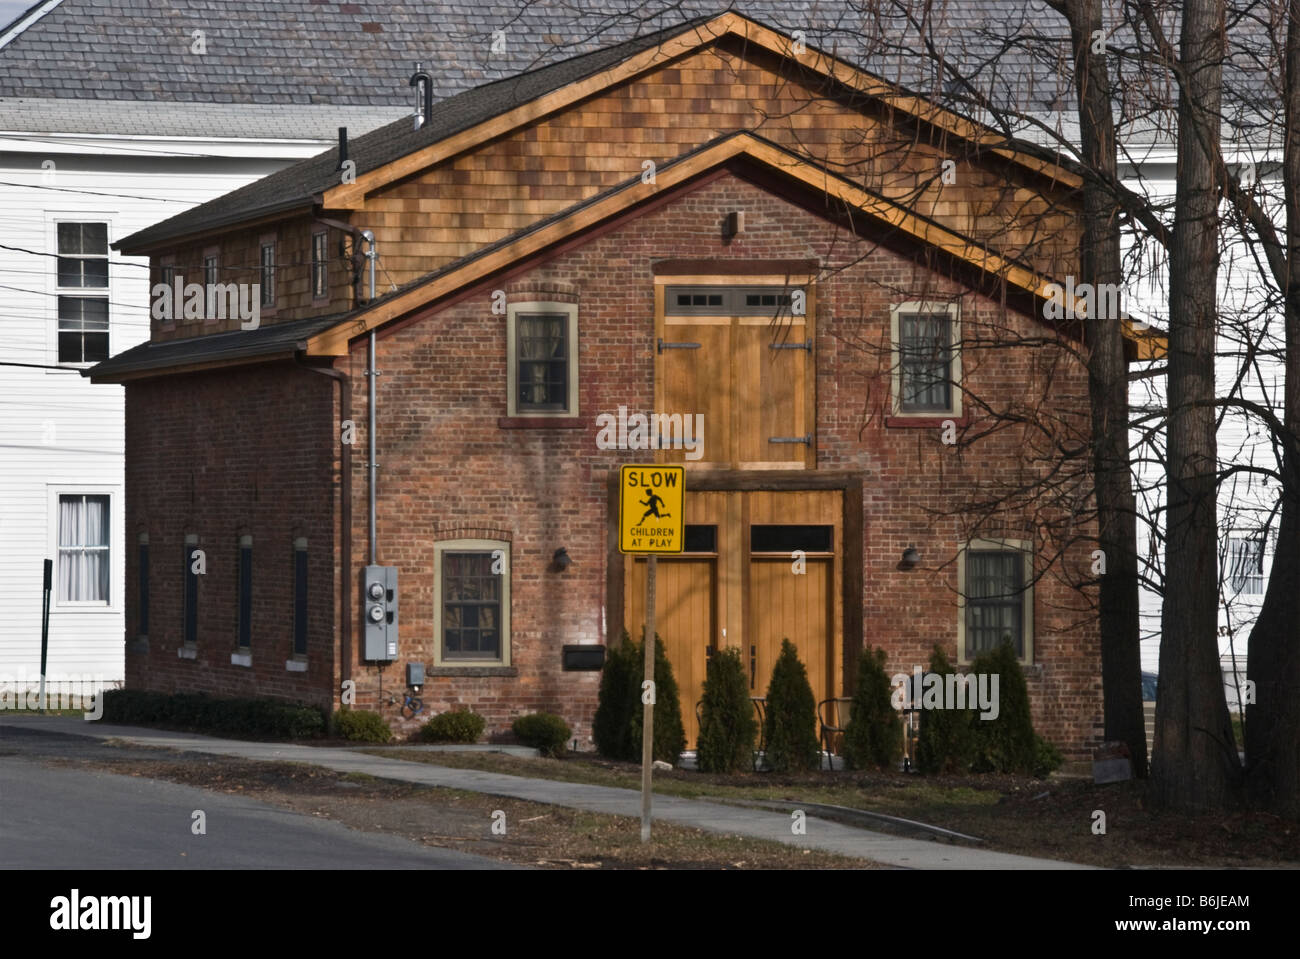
(198, 712)
(544, 731)
(790, 724)
(945, 743)
(727, 722)
(1005, 744)
(616, 727)
(362, 726)
(874, 734)
(457, 726)
(1047, 758)
(618, 702)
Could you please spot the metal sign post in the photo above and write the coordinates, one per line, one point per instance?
(45, 624)
(648, 710)
(651, 520)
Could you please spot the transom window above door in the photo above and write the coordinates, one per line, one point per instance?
(734, 300)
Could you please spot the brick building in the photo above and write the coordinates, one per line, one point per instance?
(843, 283)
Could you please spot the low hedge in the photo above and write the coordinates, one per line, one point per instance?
(199, 712)
(544, 731)
(457, 726)
(362, 726)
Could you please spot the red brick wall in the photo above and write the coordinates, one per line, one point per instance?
(448, 470)
(221, 454)
(447, 464)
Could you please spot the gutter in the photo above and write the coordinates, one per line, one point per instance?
(345, 515)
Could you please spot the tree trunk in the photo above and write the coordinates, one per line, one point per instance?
(1099, 248)
(1273, 656)
(1195, 764)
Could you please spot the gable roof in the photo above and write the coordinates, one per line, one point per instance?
(456, 124)
(331, 336)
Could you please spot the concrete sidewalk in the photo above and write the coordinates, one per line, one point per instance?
(833, 837)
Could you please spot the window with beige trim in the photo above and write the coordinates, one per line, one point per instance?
(925, 338)
(995, 597)
(542, 358)
(471, 603)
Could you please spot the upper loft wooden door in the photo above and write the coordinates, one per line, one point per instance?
(742, 356)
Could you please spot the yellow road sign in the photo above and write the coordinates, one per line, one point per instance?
(650, 509)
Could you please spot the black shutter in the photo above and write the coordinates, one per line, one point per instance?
(245, 596)
(142, 614)
(300, 602)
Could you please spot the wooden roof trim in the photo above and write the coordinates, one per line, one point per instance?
(352, 195)
(334, 341)
(922, 109)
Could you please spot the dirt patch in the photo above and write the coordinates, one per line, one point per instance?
(535, 834)
(1044, 818)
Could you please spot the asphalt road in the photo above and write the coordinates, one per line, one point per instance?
(53, 818)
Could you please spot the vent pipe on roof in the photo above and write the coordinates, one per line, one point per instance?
(424, 97)
(343, 147)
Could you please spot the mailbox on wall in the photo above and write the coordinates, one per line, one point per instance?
(588, 656)
(379, 610)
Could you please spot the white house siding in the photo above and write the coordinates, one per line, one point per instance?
(1245, 502)
(58, 432)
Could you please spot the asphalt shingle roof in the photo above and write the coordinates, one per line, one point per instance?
(235, 344)
(277, 121)
(309, 51)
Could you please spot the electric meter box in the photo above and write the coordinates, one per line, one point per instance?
(379, 612)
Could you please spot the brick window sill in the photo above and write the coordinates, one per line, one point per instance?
(188, 652)
(540, 422)
(471, 671)
(241, 659)
(295, 665)
(924, 422)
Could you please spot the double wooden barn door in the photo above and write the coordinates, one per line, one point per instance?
(760, 567)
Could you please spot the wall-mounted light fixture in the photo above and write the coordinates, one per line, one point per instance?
(561, 560)
(911, 558)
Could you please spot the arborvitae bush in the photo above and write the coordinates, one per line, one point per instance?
(669, 733)
(456, 726)
(790, 723)
(616, 727)
(1006, 744)
(362, 726)
(618, 702)
(544, 731)
(727, 723)
(874, 734)
(945, 743)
